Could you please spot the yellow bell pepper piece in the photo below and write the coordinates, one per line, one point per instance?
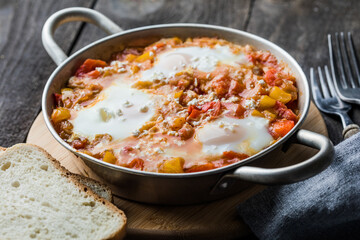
(280, 95)
(130, 57)
(174, 165)
(147, 126)
(177, 123)
(135, 68)
(60, 114)
(66, 90)
(178, 94)
(145, 56)
(269, 115)
(256, 113)
(177, 40)
(109, 157)
(266, 102)
(142, 84)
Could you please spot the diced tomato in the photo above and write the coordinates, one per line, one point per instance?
(133, 51)
(160, 45)
(127, 149)
(282, 111)
(224, 162)
(229, 157)
(186, 131)
(271, 61)
(199, 168)
(251, 58)
(268, 59)
(289, 115)
(88, 66)
(94, 74)
(279, 106)
(215, 106)
(220, 82)
(206, 106)
(270, 76)
(193, 112)
(183, 83)
(281, 127)
(235, 88)
(136, 163)
(252, 92)
(58, 99)
(235, 109)
(200, 75)
(234, 155)
(79, 143)
(264, 58)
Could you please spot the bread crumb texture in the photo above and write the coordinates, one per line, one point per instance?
(40, 201)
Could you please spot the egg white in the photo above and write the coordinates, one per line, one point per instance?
(124, 112)
(248, 135)
(202, 58)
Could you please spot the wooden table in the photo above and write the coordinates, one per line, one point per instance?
(299, 26)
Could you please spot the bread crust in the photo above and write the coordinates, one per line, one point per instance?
(89, 181)
(74, 179)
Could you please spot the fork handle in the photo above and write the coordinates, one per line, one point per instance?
(350, 130)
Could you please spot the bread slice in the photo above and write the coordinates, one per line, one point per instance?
(100, 189)
(42, 200)
(2, 150)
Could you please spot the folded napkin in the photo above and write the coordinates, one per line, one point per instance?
(326, 206)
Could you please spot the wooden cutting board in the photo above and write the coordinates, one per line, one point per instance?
(215, 220)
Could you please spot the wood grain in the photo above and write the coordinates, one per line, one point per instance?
(215, 220)
(301, 28)
(132, 14)
(24, 64)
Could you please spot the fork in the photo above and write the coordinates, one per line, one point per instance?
(347, 87)
(327, 101)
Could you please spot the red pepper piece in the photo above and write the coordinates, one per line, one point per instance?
(215, 106)
(199, 168)
(281, 127)
(88, 66)
(136, 163)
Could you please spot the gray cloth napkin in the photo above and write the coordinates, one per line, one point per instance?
(326, 206)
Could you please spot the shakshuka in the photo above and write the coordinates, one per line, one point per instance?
(177, 106)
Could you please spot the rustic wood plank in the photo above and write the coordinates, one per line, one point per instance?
(301, 28)
(132, 14)
(24, 64)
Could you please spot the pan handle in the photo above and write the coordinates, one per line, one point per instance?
(290, 174)
(72, 15)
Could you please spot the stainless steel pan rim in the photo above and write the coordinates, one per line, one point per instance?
(83, 14)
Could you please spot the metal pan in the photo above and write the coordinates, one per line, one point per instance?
(187, 188)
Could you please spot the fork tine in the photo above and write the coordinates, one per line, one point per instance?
(347, 65)
(330, 82)
(315, 87)
(323, 84)
(332, 60)
(353, 56)
(340, 62)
